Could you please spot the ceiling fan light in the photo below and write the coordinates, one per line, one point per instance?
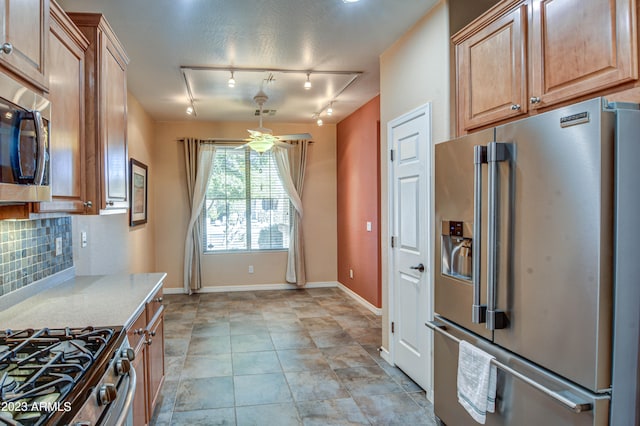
(260, 141)
(307, 84)
(232, 81)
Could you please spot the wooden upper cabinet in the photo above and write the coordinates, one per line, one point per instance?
(580, 47)
(106, 115)
(24, 34)
(66, 93)
(521, 56)
(491, 68)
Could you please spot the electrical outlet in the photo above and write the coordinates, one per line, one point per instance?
(83, 239)
(251, 269)
(58, 246)
(368, 226)
(351, 273)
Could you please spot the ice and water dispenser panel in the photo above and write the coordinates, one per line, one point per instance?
(457, 249)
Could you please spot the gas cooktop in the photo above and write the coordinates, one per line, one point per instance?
(45, 374)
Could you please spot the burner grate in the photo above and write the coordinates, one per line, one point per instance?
(40, 367)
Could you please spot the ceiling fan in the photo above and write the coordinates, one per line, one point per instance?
(262, 139)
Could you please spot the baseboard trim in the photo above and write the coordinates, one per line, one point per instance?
(252, 287)
(377, 311)
(384, 354)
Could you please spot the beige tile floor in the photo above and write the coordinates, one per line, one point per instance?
(289, 357)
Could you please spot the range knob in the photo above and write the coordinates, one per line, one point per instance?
(107, 394)
(128, 353)
(123, 366)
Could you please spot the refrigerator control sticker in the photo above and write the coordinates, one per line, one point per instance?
(572, 120)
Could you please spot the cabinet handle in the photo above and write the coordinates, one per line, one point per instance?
(152, 334)
(138, 332)
(149, 342)
(515, 107)
(6, 48)
(534, 99)
(88, 204)
(158, 299)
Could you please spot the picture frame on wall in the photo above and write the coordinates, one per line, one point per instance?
(138, 182)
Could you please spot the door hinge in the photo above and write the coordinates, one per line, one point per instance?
(393, 242)
(392, 154)
(393, 327)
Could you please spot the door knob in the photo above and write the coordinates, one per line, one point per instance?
(420, 267)
(6, 48)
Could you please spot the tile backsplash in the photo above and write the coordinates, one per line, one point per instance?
(28, 250)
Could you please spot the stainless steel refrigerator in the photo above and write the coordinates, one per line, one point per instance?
(537, 263)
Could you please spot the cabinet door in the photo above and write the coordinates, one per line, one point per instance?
(25, 25)
(140, 398)
(66, 93)
(491, 69)
(155, 359)
(581, 46)
(114, 148)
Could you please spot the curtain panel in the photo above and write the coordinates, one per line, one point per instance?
(291, 164)
(198, 164)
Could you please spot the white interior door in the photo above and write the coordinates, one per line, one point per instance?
(411, 252)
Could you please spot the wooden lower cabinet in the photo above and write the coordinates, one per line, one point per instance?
(140, 400)
(155, 360)
(146, 336)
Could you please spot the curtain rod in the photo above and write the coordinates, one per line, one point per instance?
(218, 140)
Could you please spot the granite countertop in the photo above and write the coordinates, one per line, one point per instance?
(80, 301)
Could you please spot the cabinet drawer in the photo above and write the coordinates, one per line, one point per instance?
(136, 333)
(153, 305)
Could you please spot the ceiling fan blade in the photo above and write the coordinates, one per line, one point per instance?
(243, 146)
(295, 137)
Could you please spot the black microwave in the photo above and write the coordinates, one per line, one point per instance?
(24, 143)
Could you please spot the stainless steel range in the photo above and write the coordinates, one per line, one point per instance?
(78, 376)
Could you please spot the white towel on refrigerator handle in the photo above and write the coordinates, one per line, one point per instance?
(476, 381)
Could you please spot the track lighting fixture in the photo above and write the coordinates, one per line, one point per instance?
(349, 77)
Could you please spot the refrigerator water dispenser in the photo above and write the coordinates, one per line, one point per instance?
(457, 251)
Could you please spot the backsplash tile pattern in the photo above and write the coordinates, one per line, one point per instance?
(28, 250)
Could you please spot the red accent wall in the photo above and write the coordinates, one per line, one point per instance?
(358, 180)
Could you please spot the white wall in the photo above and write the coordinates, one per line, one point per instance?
(414, 71)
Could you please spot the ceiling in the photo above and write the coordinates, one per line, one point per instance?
(173, 44)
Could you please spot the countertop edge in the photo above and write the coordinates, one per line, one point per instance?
(79, 301)
(140, 309)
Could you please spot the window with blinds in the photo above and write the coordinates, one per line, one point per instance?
(246, 208)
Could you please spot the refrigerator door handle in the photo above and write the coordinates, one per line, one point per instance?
(496, 153)
(478, 311)
(575, 406)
